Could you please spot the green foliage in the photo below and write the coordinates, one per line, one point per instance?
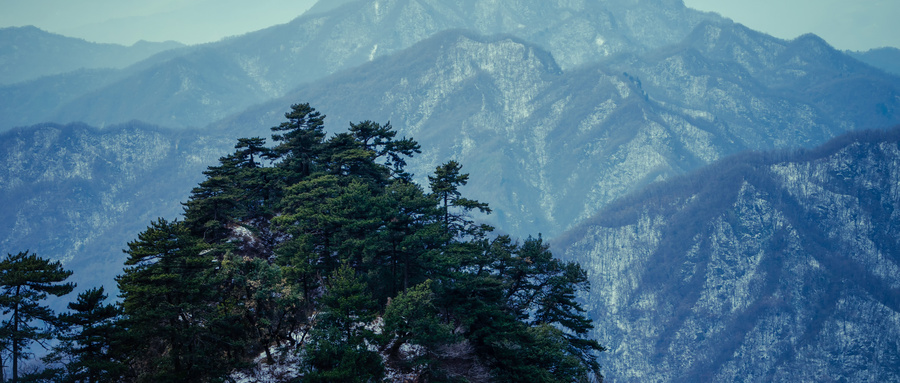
(338, 347)
(445, 185)
(300, 141)
(87, 345)
(309, 253)
(26, 280)
(412, 317)
(173, 331)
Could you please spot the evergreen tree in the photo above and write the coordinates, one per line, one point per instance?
(445, 185)
(537, 331)
(173, 329)
(333, 234)
(412, 318)
(338, 347)
(87, 344)
(250, 150)
(411, 231)
(214, 203)
(380, 140)
(300, 141)
(26, 280)
(266, 305)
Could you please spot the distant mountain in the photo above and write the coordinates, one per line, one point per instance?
(27, 53)
(209, 82)
(548, 145)
(886, 59)
(590, 135)
(78, 194)
(779, 266)
(771, 92)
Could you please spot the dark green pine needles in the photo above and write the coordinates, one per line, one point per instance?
(323, 253)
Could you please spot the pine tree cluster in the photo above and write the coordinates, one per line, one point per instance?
(324, 248)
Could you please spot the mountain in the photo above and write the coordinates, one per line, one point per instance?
(777, 266)
(548, 147)
(886, 59)
(78, 194)
(27, 53)
(552, 125)
(589, 135)
(209, 82)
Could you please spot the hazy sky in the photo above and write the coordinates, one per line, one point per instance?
(846, 24)
(127, 21)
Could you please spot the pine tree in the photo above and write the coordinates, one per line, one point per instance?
(173, 329)
(261, 299)
(300, 140)
(338, 347)
(412, 318)
(250, 151)
(445, 188)
(87, 344)
(26, 280)
(380, 140)
(338, 235)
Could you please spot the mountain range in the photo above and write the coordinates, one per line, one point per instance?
(570, 117)
(211, 81)
(778, 266)
(28, 53)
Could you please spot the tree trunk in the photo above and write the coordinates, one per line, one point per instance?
(15, 339)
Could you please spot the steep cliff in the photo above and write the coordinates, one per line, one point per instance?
(761, 267)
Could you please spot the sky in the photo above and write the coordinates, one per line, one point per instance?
(845, 24)
(127, 21)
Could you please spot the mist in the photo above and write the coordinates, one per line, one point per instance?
(847, 25)
(128, 21)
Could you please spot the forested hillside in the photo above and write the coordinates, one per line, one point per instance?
(76, 193)
(589, 135)
(319, 253)
(778, 266)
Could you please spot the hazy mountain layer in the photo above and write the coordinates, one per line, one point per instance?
(886, 59)
(762, 267)
(769, 92)
(27, 53)
(209, 82)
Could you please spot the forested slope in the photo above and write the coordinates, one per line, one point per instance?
(761, 267)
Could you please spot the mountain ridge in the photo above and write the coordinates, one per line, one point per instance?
(817, 255)
(28, 53)
(446, 101)
(269, 62)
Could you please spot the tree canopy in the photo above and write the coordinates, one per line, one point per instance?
(323, 249)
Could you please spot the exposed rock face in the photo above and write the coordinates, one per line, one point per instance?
(776, 267)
